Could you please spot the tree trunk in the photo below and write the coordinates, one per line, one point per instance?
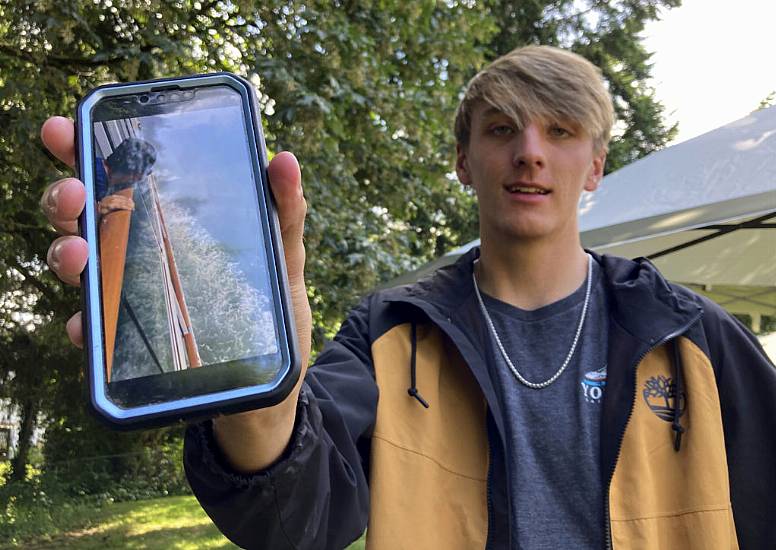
(19, 462)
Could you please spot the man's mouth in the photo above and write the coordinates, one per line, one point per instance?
(526, 189)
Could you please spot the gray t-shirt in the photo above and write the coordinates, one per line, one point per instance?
(553, 433)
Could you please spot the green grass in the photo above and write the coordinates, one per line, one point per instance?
(176, 523)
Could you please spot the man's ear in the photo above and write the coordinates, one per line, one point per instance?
(462, 165)
(596, 172)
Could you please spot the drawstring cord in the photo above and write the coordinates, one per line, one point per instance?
(676, 425)
(413, 391)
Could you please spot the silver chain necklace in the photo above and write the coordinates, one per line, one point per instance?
(554, 377)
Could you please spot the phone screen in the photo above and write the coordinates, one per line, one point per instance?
(186, 285)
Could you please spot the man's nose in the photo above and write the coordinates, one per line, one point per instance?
(530, 147)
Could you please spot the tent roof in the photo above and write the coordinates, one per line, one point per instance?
(769, 345)
(724, 174)
(661, 204)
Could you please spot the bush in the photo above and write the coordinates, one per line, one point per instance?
(62, 494)
(23, 505)
(133, 475)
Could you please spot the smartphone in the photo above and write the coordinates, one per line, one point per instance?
(186, 306)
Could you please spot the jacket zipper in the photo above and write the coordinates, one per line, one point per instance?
(657, 344)
(489, 494)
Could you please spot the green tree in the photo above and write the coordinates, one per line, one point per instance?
(363, 92)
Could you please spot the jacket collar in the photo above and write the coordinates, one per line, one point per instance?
(642, 302)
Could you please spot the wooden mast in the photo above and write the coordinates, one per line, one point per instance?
(114, 235)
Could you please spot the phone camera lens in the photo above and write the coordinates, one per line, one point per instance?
(143, 99)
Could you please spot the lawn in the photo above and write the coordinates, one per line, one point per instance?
(164, 523)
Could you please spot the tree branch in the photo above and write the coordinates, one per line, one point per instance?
(63, 62)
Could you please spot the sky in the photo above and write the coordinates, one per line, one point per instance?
(713, 61)
(203, 165)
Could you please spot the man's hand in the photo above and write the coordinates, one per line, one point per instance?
(111, 203)
(251, 440)
(62, 203)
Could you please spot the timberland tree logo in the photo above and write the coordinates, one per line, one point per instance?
(659, 393)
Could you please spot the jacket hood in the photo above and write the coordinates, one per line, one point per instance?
(643, 302)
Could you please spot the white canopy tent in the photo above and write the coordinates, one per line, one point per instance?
(769, 344)
(704, 211)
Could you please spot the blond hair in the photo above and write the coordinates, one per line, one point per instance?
(544, 83)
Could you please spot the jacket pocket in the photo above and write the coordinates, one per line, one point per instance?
(661, 498)
(428, 470)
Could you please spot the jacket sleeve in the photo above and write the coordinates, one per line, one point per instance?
(746, 380)
(316, 494)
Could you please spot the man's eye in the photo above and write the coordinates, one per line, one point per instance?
(501, 130)
(558, 131)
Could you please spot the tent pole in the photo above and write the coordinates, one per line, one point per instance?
(720, 230)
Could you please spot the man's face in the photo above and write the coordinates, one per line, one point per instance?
(528, 182)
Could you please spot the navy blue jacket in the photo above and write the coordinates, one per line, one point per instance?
(701, 476)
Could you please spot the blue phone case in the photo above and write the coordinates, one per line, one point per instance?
(169, 404)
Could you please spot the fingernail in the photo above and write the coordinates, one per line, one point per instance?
(53, 260)
(53, 195)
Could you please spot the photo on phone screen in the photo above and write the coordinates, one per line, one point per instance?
(184, 273)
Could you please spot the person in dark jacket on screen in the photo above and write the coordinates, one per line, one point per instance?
(533, 395)
(128, 165)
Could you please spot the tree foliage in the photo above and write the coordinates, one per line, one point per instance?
(362, 91)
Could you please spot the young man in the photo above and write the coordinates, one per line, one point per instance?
(532, 395)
